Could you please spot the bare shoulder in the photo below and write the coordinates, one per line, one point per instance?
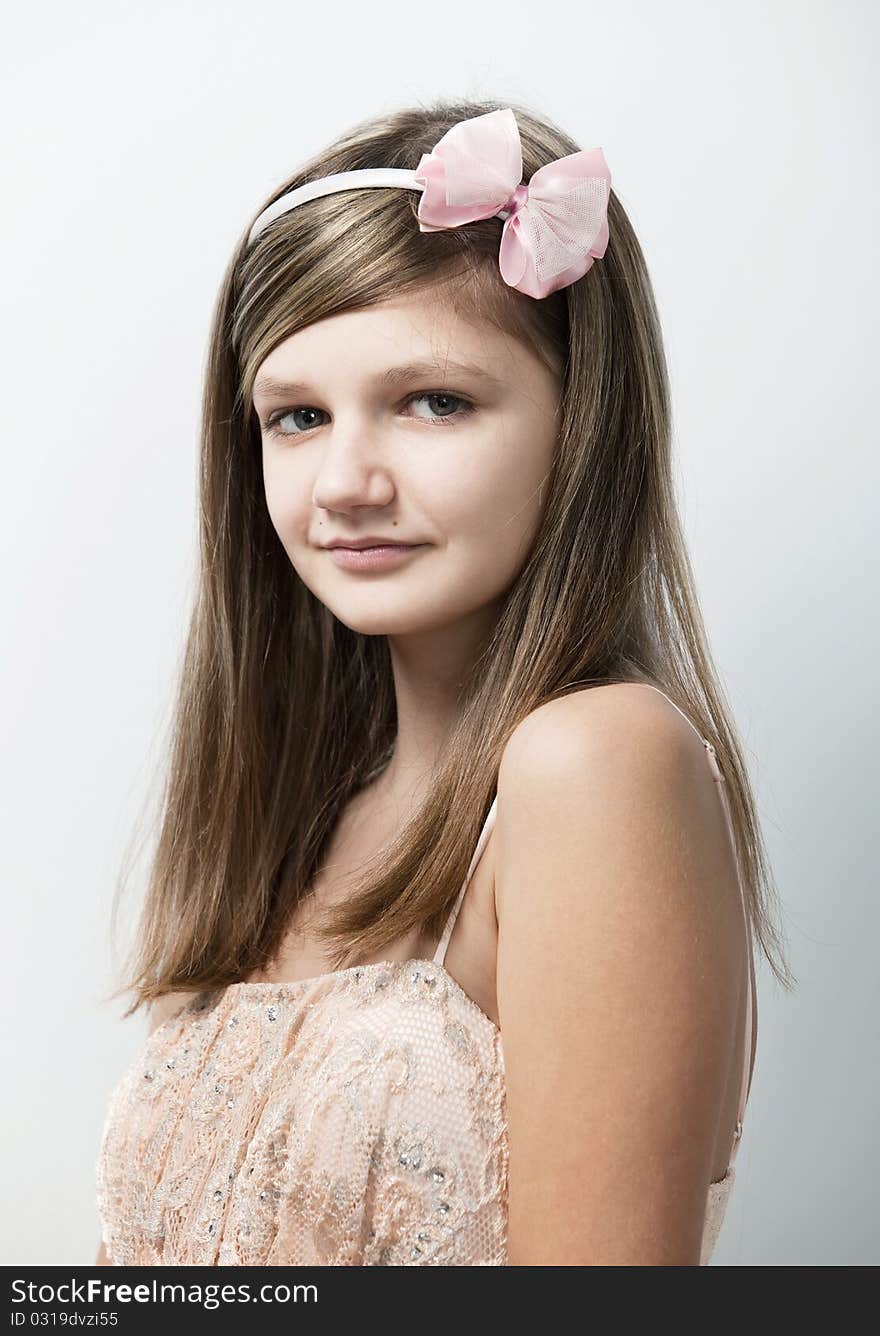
(619, 714)
(624, 739)
(622, 763)
(618, 977)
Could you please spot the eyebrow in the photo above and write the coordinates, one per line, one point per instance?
(395, 375)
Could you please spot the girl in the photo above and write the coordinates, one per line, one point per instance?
(447, 941)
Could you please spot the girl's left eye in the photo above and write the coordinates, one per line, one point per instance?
(465, 407)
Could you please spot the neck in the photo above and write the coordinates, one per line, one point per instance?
(428, 673)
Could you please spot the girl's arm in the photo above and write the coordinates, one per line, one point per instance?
(620, 963)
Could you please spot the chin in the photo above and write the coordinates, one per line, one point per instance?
(411, 616)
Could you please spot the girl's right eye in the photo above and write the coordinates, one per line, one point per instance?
(272, 422)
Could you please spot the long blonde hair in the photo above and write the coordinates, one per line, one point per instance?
(283, 713)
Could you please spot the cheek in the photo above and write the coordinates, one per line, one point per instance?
(501, 512)
(487, 532)
(287, 501)
(502, 486)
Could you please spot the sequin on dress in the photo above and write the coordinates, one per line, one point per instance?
(353, 1119)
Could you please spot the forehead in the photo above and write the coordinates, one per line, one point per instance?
(434, 325)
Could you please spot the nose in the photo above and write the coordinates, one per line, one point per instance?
(351, 469)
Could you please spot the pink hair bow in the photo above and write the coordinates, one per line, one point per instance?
(555, 227)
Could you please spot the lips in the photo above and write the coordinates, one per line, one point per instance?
(375, 557)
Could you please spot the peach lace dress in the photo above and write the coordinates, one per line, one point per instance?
(352, 1119)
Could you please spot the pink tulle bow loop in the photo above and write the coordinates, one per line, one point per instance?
(553, 237)
(471, 172)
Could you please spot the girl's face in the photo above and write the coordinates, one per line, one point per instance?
(404, 422)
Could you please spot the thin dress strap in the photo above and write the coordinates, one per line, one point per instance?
(725, 803)
(440, 953)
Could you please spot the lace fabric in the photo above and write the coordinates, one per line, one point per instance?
(352, 1120)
